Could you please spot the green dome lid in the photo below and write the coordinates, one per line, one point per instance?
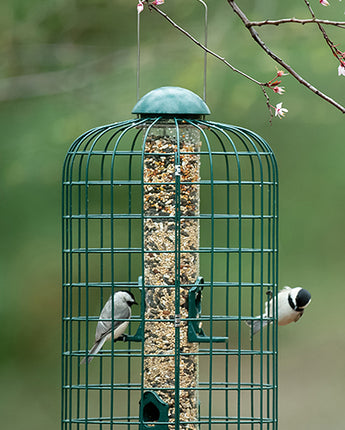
(171, 101)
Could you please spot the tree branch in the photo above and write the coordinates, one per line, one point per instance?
(276, 22)
(249, 25)
(193, 39)
(222, 59)
(277, 59)
(333, 48)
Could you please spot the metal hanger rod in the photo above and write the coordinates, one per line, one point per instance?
(138, 56)
(205, 54)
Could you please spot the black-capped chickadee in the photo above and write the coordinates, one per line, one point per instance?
(291, 305)
(123, 300)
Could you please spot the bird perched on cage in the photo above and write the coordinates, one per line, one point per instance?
(291, 305)
(108, 327)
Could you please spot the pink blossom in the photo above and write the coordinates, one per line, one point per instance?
(158, 2)
(324, 2)
(279, 110)
(140, 7)
(281, 73)
(341, 69)
(279, 90)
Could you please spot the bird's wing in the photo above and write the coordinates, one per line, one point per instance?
(269, 307)
(256, 325)
(105, 327)
(286, 288)
(94, 350)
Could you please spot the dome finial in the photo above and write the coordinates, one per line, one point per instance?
(171, 101)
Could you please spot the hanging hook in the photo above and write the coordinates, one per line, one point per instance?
(205, 54)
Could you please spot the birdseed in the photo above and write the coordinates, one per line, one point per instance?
(164, 319)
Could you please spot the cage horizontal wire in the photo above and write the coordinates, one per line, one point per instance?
(183, 213)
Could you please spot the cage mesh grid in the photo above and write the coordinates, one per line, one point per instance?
(104, 251)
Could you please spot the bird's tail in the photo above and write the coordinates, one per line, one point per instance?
(256, 325)
(96, 347)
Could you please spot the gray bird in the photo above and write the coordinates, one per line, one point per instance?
(291, 305)
(123, 300)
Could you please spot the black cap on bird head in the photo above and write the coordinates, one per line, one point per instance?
(130, 302)
(303, 298)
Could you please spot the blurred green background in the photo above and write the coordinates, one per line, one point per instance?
(69, 65)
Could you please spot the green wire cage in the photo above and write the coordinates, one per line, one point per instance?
(183, 213)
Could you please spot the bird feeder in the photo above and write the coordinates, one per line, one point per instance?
(181, 212)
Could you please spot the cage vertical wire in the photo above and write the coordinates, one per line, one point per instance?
(182, 212)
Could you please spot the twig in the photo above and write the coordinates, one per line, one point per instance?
(276, 22)
(222, 59)
(268, 103)
(277, 59)
(193, 39)
(335, 51)
(249, 25)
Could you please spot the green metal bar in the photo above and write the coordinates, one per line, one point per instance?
(273, 229)
(64, 266)
(239, 269)
(274, 221)
(87, 269)
(103, 159)
(252, 289)
(99, 135)
(227, 294)
(212, 250)
(202, 352)
(261, 274)
(201, 318)
(137, 250)
(239, 290)
(79, 208)
(138, 216)
(275, 291)
(137, 182)
(113, 252)
(219, 386)
(268, 370)
(141, 414)
(261, 290)
(177, 275)
(79, 229)
(262, 220)
(275, 279)
(133, 284)
(97, 138)
(69, 236)
(129, 376)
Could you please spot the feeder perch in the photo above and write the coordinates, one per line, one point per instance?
(182, 212)
(195, 331)
(154, 410)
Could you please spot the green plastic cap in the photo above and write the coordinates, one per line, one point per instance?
(171, 101)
